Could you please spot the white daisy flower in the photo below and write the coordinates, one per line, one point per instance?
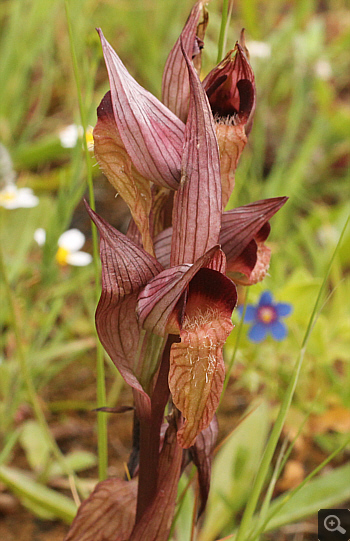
(70, 135)
(259, 49)
(40, 236)
(12, 197)
(69, 245)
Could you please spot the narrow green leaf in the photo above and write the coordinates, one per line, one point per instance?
(234, 468)
(322, 493)
(44, 498)
(36, 446)
(76, 460)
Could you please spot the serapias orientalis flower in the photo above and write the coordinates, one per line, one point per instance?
(167, 296)
(69, 245)
(163, 293)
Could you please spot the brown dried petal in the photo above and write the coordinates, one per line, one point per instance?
(108, 513)
(117, 166)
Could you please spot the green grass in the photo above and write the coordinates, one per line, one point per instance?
(299, 147)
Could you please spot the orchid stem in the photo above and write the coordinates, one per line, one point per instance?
(150, 437)
(100, 369)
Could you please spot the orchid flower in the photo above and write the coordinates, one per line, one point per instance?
(242, 238)
(231, 91)
(193, 299)
(167, 293)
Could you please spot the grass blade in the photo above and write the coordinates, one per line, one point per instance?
(101, 388)
(260, 479)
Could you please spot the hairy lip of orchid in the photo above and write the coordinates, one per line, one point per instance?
(197, 369)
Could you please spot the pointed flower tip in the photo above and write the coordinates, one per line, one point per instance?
(90, 212)
(99, 222)
(198, 201)
(282, 199)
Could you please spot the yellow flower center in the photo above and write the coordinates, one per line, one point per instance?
(89, 138)
(7, 196)
(61, 256)
(267, 314)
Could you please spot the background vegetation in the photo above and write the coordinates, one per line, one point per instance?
(299, 146)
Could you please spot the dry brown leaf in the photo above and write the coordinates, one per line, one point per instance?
(108, 513)
(336, 418)
(292, 476)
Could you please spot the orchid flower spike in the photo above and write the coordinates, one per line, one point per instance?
(168, 288)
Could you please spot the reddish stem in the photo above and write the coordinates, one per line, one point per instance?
(150, 428)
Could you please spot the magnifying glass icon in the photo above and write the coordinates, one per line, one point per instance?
(332, 524)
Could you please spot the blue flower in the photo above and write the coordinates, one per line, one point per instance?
(265, 317)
